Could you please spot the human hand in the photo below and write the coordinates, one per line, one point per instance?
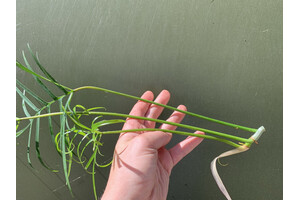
(142, 165)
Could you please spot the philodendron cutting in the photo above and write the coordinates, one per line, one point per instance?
(90, 135)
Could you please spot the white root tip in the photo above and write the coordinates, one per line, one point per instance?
(258, 133)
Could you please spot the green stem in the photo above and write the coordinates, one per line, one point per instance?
(174, 124)
(175, 132)
(169, 107)
(149, 119)
(138, 98)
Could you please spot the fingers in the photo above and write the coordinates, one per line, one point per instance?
(183, 148)
(154, 110)
(139, 109)
(142, 109)
(159, 139)
(176, 117)
(155, 139)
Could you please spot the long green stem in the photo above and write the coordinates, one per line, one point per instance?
(138, 98)
(175, 132)
(149, 119)
(169, 107)
(148, 129)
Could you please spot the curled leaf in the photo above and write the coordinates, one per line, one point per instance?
(214, 171)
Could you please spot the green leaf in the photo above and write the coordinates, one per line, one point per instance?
(30, 129)
(22, 67)
(79, 106)
(17, 126)
(76, 122)
(75, 117)
(57, 144)
(38, 80)
(50, 124)
(67, 105)
(70, 162)
(93, 177)
(79, 144)
(44, 70)
(78, 148)
(37, 144)
(95, 126)
(90, 160)
(85, 146)
(25, 99)
(31, 93)
(96, 108)
(70, 147)
(28, 145)
(104, 165)
(23, 130)
(63, 146)
(74, 136)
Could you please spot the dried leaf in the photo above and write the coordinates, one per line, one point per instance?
(214, 171)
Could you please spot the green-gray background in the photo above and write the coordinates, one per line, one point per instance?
(220, 58)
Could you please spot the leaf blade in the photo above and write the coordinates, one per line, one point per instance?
(63, 146)
(25, 99)
(20, 132)
(43, 86)
(50, 124)
(30, 131)
(37, 145)
(44, 70)
(22, 67)
(32, 93)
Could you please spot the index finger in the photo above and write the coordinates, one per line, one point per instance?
(139, 109)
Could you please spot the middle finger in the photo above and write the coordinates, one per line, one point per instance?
(154, 110)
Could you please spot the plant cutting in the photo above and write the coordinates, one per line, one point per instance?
(75, 137)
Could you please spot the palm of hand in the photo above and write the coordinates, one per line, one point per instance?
(141, 158)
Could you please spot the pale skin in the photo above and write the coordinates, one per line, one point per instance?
(142, 165)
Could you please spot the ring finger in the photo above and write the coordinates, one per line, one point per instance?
(175, 117)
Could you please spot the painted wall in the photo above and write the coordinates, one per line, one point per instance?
(222, 59)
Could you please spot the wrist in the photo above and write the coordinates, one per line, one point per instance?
(117, 193)
(117, 189)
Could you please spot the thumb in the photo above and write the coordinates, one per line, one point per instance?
(156, 139)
